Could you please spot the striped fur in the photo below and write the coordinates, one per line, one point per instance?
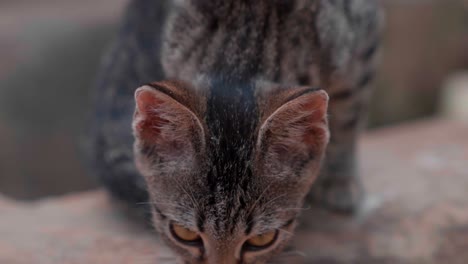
(253, 75)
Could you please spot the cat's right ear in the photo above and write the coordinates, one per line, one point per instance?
(163, 126)
(295, 129)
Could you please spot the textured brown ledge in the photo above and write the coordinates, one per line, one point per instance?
(416, 212)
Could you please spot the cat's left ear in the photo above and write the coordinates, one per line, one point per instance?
(295, 129)
(165, 121)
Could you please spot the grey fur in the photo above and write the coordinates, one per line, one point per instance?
(239, 62)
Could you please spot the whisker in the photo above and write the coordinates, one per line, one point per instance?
(149, 258)
(156, 203)
(258, 199)
(288, 256)
(268, 203)
(287, 232)
(190, 194)
(295, 209)
(167, 259)
(294, 253)
(275, 199)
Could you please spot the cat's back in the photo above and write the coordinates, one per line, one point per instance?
(283, 41)
(280, 41)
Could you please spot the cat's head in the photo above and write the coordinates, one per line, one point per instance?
(228, 167)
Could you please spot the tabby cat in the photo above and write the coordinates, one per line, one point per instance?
(246, 110)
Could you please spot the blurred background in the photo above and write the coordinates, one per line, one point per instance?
(50, 51)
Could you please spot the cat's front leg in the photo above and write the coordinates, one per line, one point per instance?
(338, 186)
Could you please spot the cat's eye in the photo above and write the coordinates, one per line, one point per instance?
(261, 241)
(185, 235)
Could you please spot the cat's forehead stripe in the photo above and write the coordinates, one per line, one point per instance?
(231, 120)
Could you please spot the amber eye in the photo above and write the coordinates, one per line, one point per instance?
(262, 241)
(185, 235)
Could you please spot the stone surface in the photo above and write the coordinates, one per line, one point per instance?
(416, 211)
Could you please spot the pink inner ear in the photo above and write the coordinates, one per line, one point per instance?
(150, 122)
(146, 100)
(317, 107)
(299, 126)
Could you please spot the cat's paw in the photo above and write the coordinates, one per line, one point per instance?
(342, 196)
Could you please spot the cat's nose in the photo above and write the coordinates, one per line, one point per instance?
(226, 261)
(223, 258)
